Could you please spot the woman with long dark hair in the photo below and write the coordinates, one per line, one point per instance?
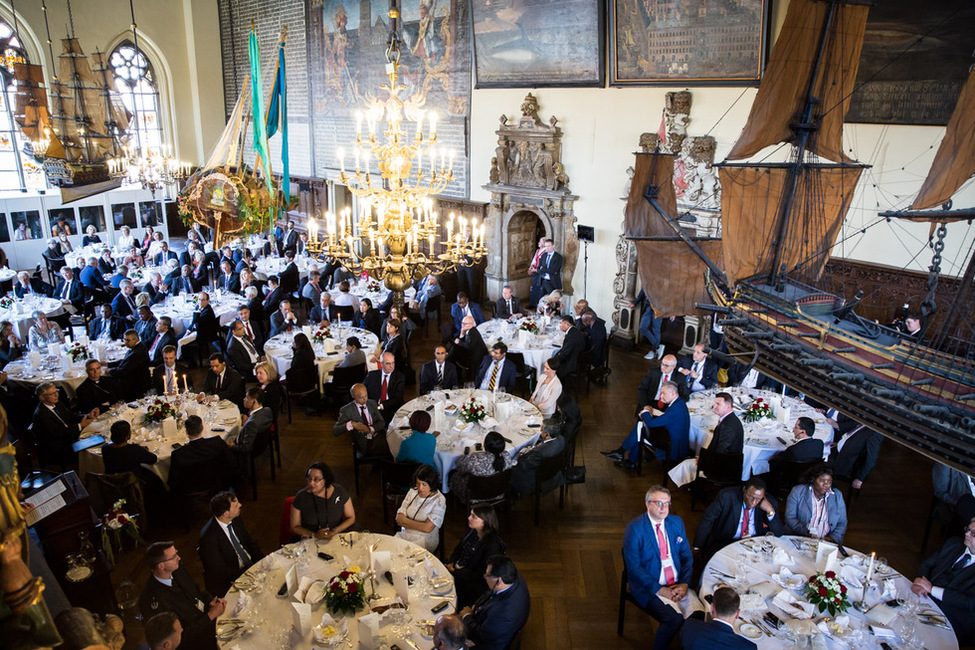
(492, 460)
(468, 562)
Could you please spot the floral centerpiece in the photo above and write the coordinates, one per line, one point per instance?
(373, 285)
(117, 522)
(158, 410)
(323, 332)
(529, 325)
(78, 352)
(6, 302)
(757, 410)
(826, 592)
(473, 410)
(345, 592)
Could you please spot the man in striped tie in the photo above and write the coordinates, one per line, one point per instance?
(496, 372)
(659, 564)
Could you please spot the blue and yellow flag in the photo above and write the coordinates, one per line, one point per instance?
(278, 105)
(257, 103)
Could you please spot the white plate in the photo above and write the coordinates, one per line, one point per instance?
(79, 573)
(750, 631)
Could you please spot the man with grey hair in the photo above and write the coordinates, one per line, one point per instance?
(91, 277)
(449, 633)
(124, 304)
(56, 427)
(549, 444)
(387, 385)
(363, 420)
(69, 291)
(676, 419)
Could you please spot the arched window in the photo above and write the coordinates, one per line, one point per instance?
(18, 168)
(136, 83)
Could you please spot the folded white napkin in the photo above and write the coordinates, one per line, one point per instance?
(837, 625)
(890, 589)
(882, 614)
(882, 632)
(243, 601)
(781, 557)
(793, 606)
(765, 589)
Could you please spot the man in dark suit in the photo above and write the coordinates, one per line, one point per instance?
(324, 310)
(202, 464)
(96, 391)
(659, 563)
(438, 374)
(494, 620)
(675, 418)
(572, 346)
(106, 326)
(283, 320)
(594, 329)
(205, 322)
(364, 421)
(468, 349)
(166, 377)
(700, 372)
(124, 303)
(386, 386)
(56, 428)
(226, 548)
(185, 283)
(252, 328)
(508, 306)
(131, 375)
(157, 288)
(164, 337)
(719, 634)
(737, 513)
(549, 444)
(145, 327)
(222, 381)
(186, 257)
(496, 372)
(164, 255)
(69, 291)
(173, 274)
(462, 309)
(948, 577)
(648, 393)
(258, 421)
(228, 280)
(289, 240)
(274, 295)
(241, 351)
(805, 448)
(729, 435)
(91, 277)
(116, 280)
(170, 589)
(855, 453)
(289, 276)
(549, 270)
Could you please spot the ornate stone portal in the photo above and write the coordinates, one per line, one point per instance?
(530, 198)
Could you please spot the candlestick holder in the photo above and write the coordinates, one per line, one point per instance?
(372, 585)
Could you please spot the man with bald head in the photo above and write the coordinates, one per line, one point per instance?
(449, 633)
(386, 385)
(676, 419)
(648, 394)
(364, 421)
(468, 349)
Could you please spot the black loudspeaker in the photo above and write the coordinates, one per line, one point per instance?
(586, 233)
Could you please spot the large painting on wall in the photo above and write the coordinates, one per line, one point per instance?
(346, 65)
(915, 59)
(704, 42)
(525, 44)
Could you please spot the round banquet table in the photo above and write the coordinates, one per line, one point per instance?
(536, 348)
(180, 309)
(763, 439)
(268, 266)
(51, 367)
(378, 297)
(518, 420)
(224, 420)
(278, 349)
(6, 275)
(20, 312)
(766, 571)
(79, 256)
(270, 621)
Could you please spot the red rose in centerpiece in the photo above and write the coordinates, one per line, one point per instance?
(830, 574)
(823, 591)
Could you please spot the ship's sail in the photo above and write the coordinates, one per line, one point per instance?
(806, 52)
(31, 112)
(672, 275)
(228, 150)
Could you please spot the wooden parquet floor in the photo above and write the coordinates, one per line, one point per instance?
(572, 561)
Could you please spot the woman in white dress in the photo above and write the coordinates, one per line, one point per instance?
(421, 514)
(125, 240)
(548, 389)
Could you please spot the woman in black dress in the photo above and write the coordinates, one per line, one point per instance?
(10, 346)
(267, 378)
(323, 508)
(123, 456)
(468, 562)
(303, 373)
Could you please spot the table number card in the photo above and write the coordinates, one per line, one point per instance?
(826, 557)
(369, 631)
(301, 617)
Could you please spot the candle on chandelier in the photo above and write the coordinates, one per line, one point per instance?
(481, 238)
(358, 123)
(341, 156)
(433, 125)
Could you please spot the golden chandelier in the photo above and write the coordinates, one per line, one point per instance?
(398, 233)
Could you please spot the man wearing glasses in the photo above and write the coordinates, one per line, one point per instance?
(648, 394)
(170, 589)
(659, 564)
(948, 577)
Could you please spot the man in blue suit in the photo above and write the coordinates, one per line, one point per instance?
(948, 578)
(676, 419)
(464, 307)
(164, 255)
(90, 276)
(494, 620)
(659, 563)
(720, 632)
(496, 371)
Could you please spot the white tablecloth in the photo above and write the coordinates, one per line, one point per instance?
(270, 618)
(519, 423)
(180, 309)
(51, 367)
(20, 313)
(760, 569)
(360, 291)
(7, 275)
(278, 350)
(536, 348)
(763, 439)
(224, 420)
(79, 256)
(268, 266)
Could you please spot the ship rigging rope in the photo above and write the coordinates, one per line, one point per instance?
(50, 46)
(70, 17)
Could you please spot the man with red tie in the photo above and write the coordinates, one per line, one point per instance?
(737, 513)
(362, 419)
(648, 394)
(674, 417)
(659, 563)
(386, 386)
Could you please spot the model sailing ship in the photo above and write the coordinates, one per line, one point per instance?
(780, 221)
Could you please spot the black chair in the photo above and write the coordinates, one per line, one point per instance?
(276, 439)
(359, 459)
(626, 596)
(343, 379)
(432, 309)
(714, 472)
(654, 438)
(549, 468)
(525, 374)
(580, 375)
(396, 479)
(346, 312)
(263, 444)
(786, 474)
(106, 489)
(493, 490)
(943, 514)
(290, 396)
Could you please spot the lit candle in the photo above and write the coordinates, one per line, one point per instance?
(341, 156)
(357, 160)
(186, 384)
(358, 123)
(873, 557)
(433, 125)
